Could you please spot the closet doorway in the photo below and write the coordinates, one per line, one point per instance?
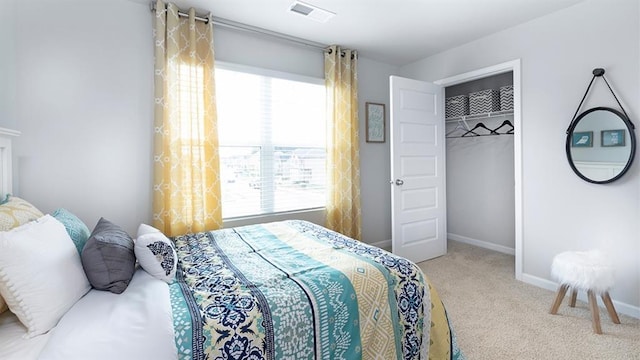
(483, 198)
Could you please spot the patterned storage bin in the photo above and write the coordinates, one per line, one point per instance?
(484, 101)
(456, 106)
(506, 97)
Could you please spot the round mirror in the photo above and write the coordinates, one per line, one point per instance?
(601, 144)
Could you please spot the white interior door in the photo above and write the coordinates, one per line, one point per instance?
(419, 229)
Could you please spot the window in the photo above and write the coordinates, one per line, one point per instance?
(271, 129)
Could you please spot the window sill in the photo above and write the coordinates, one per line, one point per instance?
(316, 216)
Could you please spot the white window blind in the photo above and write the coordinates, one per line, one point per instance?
(271, 130)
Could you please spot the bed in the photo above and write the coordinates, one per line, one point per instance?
(295, 290)
(284, 290)
(281, 290)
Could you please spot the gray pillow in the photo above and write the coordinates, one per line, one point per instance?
(108, 257)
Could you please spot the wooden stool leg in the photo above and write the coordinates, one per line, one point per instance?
(612, 311)
(556, 304)
(574, 293)
(593, 304)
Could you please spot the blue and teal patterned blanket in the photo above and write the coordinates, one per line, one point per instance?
(295, 290)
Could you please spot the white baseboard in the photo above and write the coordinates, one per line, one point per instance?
(622, 308)
(384, 244)
(482, 244)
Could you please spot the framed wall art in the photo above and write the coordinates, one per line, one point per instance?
(582, 139)
(613, 138)
(375, 122)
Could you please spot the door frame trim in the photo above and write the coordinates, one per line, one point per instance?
(515, 66)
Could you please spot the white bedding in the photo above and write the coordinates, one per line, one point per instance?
(12, 344)
(136, 324)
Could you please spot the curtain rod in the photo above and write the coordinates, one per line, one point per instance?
(204, 19)
(248, 28)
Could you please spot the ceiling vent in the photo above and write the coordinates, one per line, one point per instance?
(311, 12)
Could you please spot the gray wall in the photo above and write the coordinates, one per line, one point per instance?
(7, 66)
(558, 53)
(84, 104)
(375, 164)
(480, 183)
(82, 98)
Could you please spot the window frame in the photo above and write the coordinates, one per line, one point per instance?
(268, 168)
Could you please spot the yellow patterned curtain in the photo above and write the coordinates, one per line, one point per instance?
(186, 192)
(343, 157)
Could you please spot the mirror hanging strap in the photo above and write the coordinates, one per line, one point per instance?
(598, 72)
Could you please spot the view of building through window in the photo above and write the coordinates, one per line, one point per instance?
(272, 142)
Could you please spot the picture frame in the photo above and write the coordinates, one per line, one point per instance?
(375, 122)
(582, 139)
(611, 138)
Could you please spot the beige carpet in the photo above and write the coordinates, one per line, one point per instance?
(498, 317)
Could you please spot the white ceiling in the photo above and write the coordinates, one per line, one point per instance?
(396, 32)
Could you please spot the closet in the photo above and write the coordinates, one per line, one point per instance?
(480, 162)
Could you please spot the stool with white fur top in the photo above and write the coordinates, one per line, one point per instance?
(588, 271)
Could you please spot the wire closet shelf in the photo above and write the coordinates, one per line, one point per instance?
(506, 128)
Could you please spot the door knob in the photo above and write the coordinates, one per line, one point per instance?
(399, 182)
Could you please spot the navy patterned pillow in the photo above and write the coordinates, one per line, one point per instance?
(156, 254)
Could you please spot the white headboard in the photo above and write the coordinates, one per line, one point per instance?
(6, 167)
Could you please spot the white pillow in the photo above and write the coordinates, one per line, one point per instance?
(3, 305)
(155, 253)
(146, 229)
(41, 275)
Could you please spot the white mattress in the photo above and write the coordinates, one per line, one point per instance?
(136, 324)
(12, 344)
